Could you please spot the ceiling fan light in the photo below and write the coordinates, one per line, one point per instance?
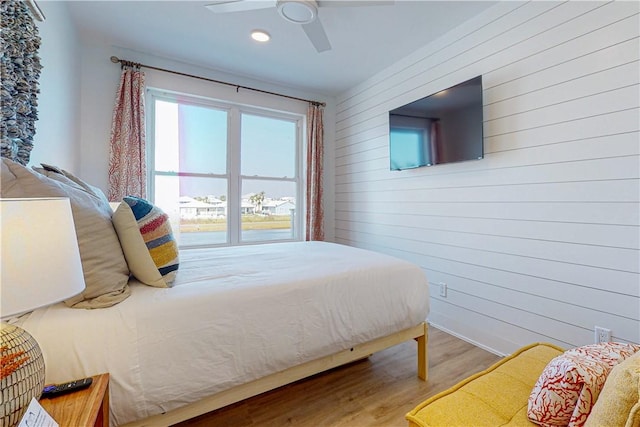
(260, 36)
(298, 11)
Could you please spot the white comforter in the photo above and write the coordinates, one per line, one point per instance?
(234, 315)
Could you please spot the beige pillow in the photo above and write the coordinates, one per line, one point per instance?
(619, 401)
(68, 178)
(147, 241)
(105, 270)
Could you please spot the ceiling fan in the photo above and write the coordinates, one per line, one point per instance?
(302, 12)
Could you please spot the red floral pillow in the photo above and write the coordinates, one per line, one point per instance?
(570, 384)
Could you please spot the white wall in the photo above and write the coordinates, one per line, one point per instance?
(57, 127)
(538, 241)
(100, 81)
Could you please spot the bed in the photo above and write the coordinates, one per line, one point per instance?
(235, 316)
(236, 321)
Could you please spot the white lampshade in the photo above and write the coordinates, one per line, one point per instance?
(40, 257)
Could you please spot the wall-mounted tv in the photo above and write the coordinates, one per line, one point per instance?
(441, 128)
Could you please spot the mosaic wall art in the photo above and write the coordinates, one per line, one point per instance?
(20, 71)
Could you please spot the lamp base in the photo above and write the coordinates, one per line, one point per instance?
(21, 373)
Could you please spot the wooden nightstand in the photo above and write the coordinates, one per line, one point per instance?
(83, 408)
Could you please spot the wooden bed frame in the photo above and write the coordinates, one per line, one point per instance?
(295, 373)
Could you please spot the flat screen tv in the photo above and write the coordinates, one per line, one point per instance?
(441, 128)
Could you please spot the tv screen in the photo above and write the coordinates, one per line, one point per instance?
(441, 128)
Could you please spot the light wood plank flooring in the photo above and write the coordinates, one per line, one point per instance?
(377, 391)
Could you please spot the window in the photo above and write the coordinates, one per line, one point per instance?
(226, 174)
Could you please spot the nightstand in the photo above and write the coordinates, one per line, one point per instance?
(83, 408)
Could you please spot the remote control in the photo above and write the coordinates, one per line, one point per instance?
(55, 390)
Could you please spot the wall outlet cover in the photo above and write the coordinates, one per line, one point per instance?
(443, 289)
(602, 335)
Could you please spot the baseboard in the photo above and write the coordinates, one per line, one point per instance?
(469, 340)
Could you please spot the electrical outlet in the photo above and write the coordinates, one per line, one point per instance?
(443, 289)
(602, 335)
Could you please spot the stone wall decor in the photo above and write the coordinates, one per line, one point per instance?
(20, 71)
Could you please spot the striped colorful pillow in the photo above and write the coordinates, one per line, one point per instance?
(147, 241)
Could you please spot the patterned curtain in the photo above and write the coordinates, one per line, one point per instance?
(127, 162)
(315, 149)
(20, 71)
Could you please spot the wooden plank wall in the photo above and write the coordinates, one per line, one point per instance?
(539, 241)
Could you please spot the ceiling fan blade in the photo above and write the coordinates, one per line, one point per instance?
(354, 3)
(226, 6)
(315, 32)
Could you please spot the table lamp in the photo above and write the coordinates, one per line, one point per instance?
(40, 265)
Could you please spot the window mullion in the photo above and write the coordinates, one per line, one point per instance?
(300, 183)
(150, 130)
(233, 171)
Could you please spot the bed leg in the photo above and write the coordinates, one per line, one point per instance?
(423, 357)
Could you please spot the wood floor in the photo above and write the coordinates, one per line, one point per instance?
(377, 391)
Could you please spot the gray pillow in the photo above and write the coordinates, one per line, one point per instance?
(68, 178)
(105, 269)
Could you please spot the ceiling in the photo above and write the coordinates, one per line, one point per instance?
(365, 39)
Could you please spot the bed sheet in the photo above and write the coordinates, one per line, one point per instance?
(234, 315)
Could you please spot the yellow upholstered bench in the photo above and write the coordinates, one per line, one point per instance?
(496, 396)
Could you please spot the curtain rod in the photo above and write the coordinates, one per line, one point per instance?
(123, 62)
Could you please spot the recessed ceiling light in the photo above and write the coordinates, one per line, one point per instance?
(260, 36)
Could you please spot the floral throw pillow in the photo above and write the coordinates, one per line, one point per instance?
(570, 384)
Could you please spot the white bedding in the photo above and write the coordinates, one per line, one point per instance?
(234, 315)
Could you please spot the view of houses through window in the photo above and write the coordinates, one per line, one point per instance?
(225, 174)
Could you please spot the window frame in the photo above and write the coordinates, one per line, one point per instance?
(234, 168)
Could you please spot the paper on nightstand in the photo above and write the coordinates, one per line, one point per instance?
(36, 416)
